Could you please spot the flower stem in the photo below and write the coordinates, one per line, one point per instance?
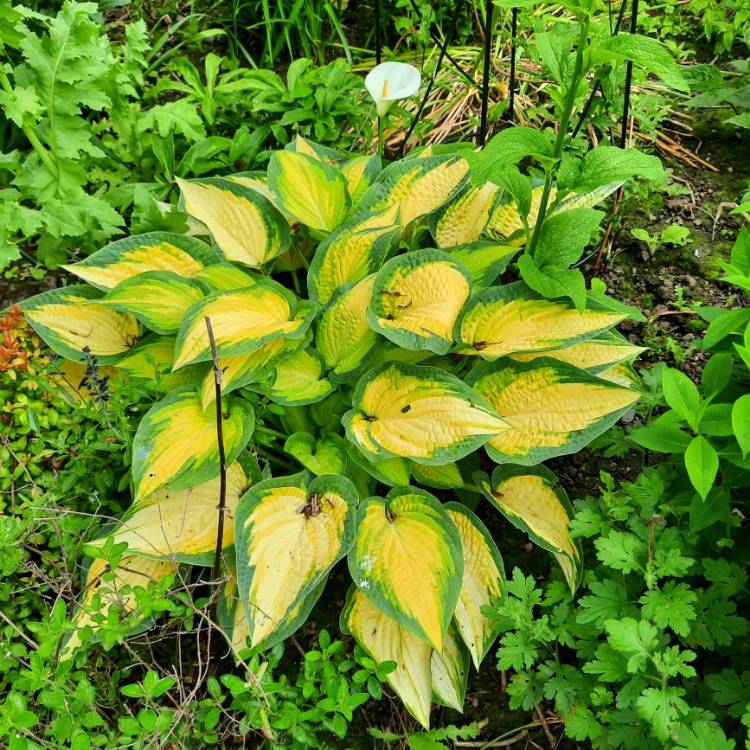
(568, 105)
(380, 136)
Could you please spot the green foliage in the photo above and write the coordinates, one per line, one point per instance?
(661, 602)
(98, 131)
(705, 425)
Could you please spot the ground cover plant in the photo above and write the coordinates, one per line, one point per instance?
(323, 426)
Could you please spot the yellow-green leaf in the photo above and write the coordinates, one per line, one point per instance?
(241, 321)
(360, 172)
(417, 186)
(313, 192)
(387, 641)
(407, 559)
(290, 532)
(343, 336)
(225, 277)
(593, 354)
(243, 369)
(417, 298)
(154, 251)
(504, 320)
(464, 219)
(299, 379)
(484, 261)
(72, 319)
(159, 299)
(450, 672)
(506, 220)
(245, 225)
(327, 455)
(351, 253)
(151, 363)
(440, 477)
(181, 524)
(533, 501)
(176, 443)
(551, 408)
(482, 583)
(416, 412)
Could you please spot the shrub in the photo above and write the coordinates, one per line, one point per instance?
(359, 335)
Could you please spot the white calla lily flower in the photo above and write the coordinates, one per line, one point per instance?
(391, 81)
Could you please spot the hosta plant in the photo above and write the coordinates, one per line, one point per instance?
(375, 372)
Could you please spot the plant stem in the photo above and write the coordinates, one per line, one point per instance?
(568, 105)
(380, 136)
(31, 136)
(222, 461)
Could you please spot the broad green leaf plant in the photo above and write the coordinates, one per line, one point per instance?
(378, 376)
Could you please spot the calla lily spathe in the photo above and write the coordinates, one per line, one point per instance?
(391, 81)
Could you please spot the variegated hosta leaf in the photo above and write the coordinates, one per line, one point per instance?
(225, 277)
(586, 200)
(151, 361)
(360, 172)
(154, 251)
(231, 615)
(620, 374)
(389, 471)
(593, 354)
(533, 501)
(417, 298)
(552, 408)
(508, 319)
(289, 534)
(484, 261)
(243, 369)
(325, 154)
(385, 640)
(299, 379)
(245, 225)
(327, 455)
(450, 672)
(181, 524)
(506, 219)
(242, 321)
(70, 320)
(464, 219)
(313, 192)
(131, 574)
(352, 252)
(176, 443)
(407, 559)
(343, 336)
(482, 584)
(416, 412)
(74, 382)
(440, 477)
(159, 299)
(417, 186)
